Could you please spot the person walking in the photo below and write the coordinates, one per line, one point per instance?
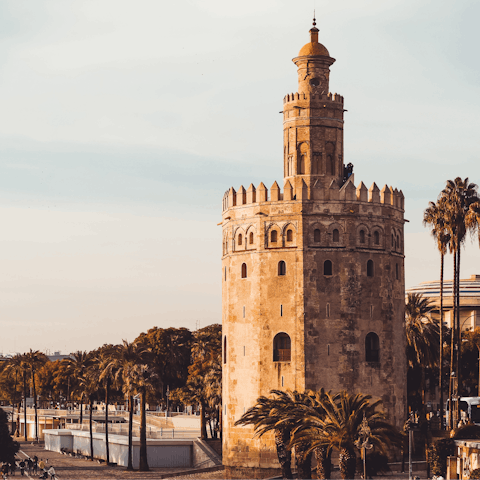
(13, 467)
(22, 468)
(41, 465)
(35, 464)
(51, 472)
(29, 465)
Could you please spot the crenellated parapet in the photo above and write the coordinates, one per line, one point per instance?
(387, 196)
(295, 97)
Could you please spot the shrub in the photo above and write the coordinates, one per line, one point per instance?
(376, 463)
(466, 432)
(437, 455)
(8, 447)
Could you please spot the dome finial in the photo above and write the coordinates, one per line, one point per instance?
(314, 19)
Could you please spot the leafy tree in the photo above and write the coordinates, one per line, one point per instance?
(76, 368)
(8, 447)
(11, 374)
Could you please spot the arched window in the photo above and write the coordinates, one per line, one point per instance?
(224, 349)
(273, 236)
(398, 242)
(336, 236)
(393, 240)
(251, 238)
(289, 235)
(282, 348)
(282, 268)
(316, 236)
(370, 271)
(327, 268)
(376, 238)
(362, 236)
(372, 348)
(244, 270)
(240, 239)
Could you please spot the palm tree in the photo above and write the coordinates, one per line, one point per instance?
(24, 366)
(434, 216)
(458, 195)
(106, 369)
(77, 366)
(422, 334)
(337, 426)
(276, 414)
(13, 368)
(88, 383)
(35, 359)
(131, 361)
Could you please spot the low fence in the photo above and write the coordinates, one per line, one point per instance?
(123, 430)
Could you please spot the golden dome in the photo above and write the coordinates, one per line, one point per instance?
(313, 47)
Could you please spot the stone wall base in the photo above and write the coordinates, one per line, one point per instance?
(252, 473)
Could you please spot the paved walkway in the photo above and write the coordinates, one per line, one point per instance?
(67, 467)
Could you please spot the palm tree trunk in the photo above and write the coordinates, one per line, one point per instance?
(35, 404)
(107, 447)
(303, 462)
(81, 412)
(91, 429)
(130, 433)
(25, 404)
(324, 463)
(440, 367)
(203, 423)
(459, 335)
(452, 348)
(347, 463)
(143, 434)
(13, 402)
(282, 438)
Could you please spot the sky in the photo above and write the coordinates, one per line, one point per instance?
(122, 124)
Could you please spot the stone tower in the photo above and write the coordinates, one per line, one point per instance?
(313, 277)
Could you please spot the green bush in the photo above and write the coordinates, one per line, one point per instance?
(376, 463)
(475, 475)
(467, 432)
(437, 455)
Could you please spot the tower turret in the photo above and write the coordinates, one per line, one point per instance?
(313, 123)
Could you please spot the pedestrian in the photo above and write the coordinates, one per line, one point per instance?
(5, 469)
(29, 465)
(13, 466)
(22, 468)
(51, 472)
(35, 464)
(41, 465)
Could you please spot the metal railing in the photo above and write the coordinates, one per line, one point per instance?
(123, 430)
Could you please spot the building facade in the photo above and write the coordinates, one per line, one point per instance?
(313, 275)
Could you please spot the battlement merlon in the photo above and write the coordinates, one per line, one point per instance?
(334, 98)
(387, 196)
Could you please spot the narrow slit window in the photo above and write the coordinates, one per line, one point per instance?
(251, 238)
(282, 348)
(281, 310)
(282, 268)
(336, 236)
(316, 235)
(362, 236)
(372, 348)
(243, 312)
(328, 268)
(328, 310)
(289, 235)
(371, 311)
(225, 349)
(370, 268)
(225, 273)
(282, 380)
(376, 238)
(240, 239)
(328, 349)
(244, 350)
(273, 236)
(244, 270)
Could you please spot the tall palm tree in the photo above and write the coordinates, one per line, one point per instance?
(35, 359)
(13, 368)
(24, 366)
(77, 366)
(337, 426)
(103, 359)
(422, 334)
(88, 383)
(131, 361)
(434, 216)
(458, 195)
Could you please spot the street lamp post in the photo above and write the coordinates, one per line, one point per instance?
(168, 395)
(363, 443)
